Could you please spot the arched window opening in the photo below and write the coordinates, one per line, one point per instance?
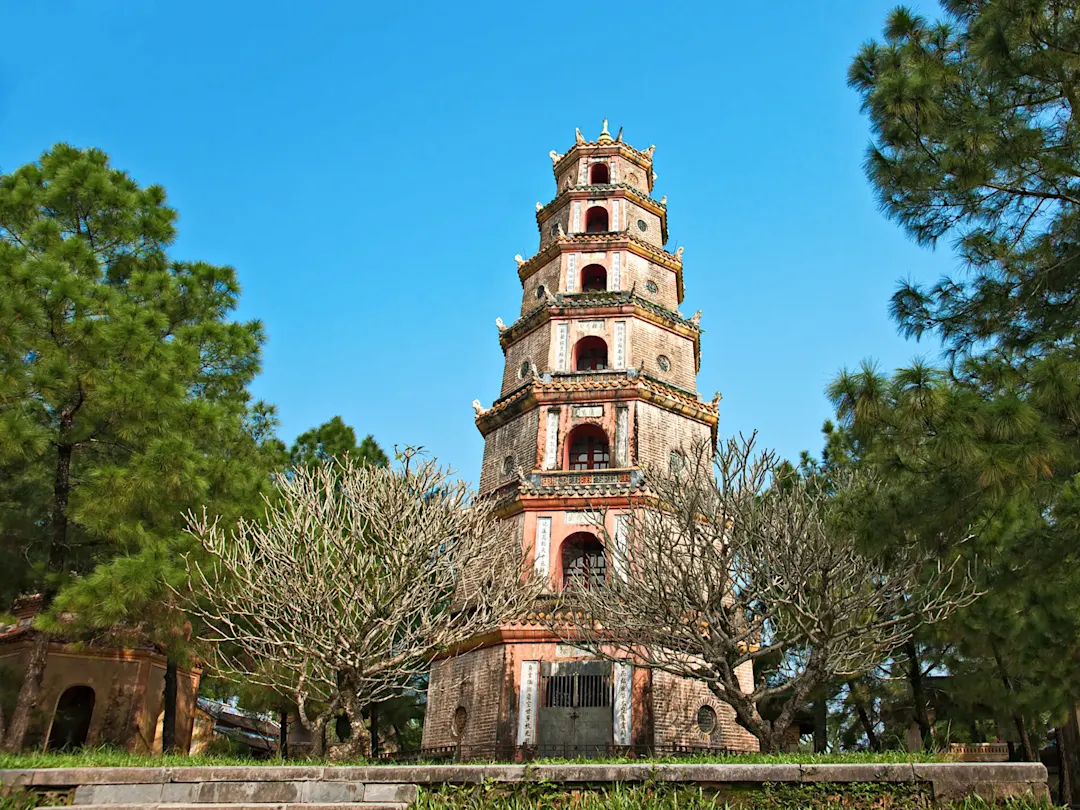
(599, 174)
(588, 449)
(593, 278)
(583, 562)
(71, 722)
(596, 220)
(590, 354)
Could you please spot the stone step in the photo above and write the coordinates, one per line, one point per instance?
(203, 794)
(246, 806)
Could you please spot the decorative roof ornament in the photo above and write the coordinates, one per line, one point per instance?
(716, 399)
(678, 253)
(480, 409)
(648, 152)
(502, 327)
(555, 156)
(520, 261)
(663, 200)
(605, 136)
(618, 138)
(559, 229)
(578, 137)
(655, 177)
(539, 206)
(697, 318)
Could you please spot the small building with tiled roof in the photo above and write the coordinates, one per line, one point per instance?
(599, 382)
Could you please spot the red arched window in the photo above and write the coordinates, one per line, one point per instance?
(584, 564)
(599, 175)
(588, 449)
(593, 278)
(596, 220)
(590, 354)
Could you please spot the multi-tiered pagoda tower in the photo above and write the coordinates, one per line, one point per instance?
(600, 380)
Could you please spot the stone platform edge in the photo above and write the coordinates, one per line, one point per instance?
(948, 779)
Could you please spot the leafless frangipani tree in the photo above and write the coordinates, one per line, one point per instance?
(721, 568)
(355, 578)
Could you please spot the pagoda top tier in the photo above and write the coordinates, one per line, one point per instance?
(604, 146)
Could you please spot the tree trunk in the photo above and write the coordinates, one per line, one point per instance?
(373, 716)
(30, 690)
(1069, 752)
(821, 725)
(168, 716)
(918, 692)
(283, 734)
(864, 717)
(1018, 719)
(28, 694)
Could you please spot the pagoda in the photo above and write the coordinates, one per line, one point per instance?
(600, 380)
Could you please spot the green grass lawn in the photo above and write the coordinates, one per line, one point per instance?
(111, 757)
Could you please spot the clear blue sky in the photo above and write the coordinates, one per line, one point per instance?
(371, 169)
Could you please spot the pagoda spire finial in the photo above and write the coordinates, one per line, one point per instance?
(605, 136)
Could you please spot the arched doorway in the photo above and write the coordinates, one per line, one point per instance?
(584, 564)
(599, 174)
(593, 278)
(590, 354)
(596, 220)
(71, 720)
(587, 449)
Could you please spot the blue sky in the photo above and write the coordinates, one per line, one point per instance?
(371, 170)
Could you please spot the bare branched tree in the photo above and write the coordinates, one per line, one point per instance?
(355, 578)
(730, 563)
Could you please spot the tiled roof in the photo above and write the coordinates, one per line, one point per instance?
(562, 383)
(603, 190)
(659, 255)
(602, 298)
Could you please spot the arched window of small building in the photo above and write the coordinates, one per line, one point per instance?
(593, 278)
(590, 354)
(588, 449)
(71, 721)
(596, 220)
(599, 174)
(583, 562)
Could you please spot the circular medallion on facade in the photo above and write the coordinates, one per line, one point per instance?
(641, 226)
(663, 362)
(461, 717)
(632, 179)
(508, 465)
(540, 291)
(706, 719)
(650, 285)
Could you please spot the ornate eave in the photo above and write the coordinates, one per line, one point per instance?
(608, 240)
(605, 191)
(604, 386)
(604, 303)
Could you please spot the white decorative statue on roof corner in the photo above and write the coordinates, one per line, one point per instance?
(476, 406)
(520, 261)
(502, 327)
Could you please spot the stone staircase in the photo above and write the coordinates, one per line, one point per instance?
(247, 794)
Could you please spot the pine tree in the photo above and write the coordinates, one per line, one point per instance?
(123, 395)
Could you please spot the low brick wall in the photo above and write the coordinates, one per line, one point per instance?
(947, 780)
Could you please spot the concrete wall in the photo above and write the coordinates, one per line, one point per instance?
(516, 440)
(472, 681)
(676, 702)
(659, 432)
